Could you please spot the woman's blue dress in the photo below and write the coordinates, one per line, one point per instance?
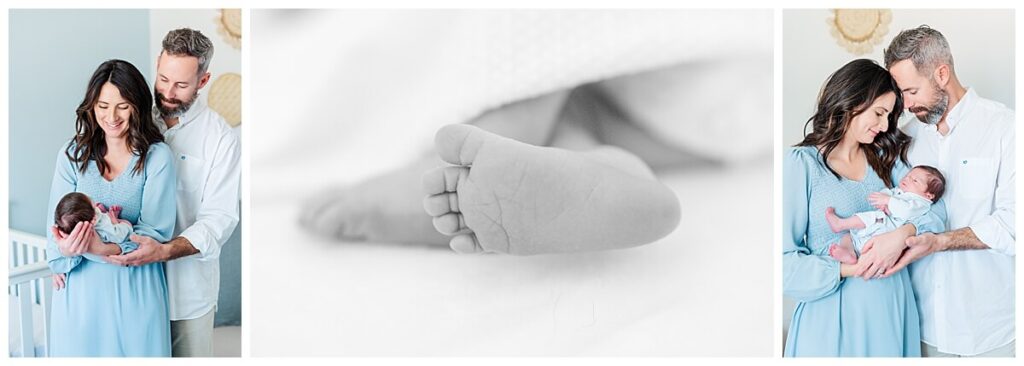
(848, 316)
(110, 310)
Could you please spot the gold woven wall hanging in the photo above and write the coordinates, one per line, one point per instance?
(859, 30)
(230, 26)
(226, 97)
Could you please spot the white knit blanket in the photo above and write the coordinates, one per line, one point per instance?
(353, 92)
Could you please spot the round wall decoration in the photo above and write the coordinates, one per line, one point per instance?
(230, 26)
(859, 30)
(226, 97)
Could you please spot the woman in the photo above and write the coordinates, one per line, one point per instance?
(117, 157)
(854, 148)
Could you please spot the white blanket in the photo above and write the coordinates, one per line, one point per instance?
(355, 91)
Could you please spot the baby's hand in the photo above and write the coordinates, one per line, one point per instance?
(59, 281)
(879, 201)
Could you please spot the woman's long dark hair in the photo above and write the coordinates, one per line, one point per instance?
(90, 140)
(848, 93)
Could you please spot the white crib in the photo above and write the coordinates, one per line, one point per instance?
(29, 292)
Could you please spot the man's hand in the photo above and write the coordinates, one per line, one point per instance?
(149, 251)
(59, 281)
(74, 243)
(879, 201)
(919, 247)
(881, 252)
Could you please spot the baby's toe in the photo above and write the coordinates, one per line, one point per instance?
(465, 244)
(449, 224)
(446, 179)
(441, 204)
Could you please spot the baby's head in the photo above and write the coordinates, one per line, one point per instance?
(925, 181)
(73, 208)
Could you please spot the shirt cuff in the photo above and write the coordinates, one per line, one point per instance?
(989, 232)
(203, 242)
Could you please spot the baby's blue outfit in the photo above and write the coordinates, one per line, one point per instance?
(841, 316)
(109, 310)
(903, 207)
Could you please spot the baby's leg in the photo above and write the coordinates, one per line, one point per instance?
(510, 197)
(839, 224)
(843, 250)
(388, 208)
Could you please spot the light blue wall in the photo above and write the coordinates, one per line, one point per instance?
(52, 55)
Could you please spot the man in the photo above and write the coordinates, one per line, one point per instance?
(207, 152)
(964, 278)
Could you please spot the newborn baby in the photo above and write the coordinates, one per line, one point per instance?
(922, 186)
(76, 207)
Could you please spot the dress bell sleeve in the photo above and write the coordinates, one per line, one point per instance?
(805, 275)
(65, 180)
(159, 206)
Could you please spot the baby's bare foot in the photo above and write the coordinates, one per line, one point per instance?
(388, 208)
(842, 254)
(834, 221)
(510, 197)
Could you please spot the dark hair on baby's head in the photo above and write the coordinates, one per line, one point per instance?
(936, 181)
(73, 208)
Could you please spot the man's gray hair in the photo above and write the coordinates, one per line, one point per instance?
(189, 42)
(926, 47)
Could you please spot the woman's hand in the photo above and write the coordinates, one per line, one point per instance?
(881, 252)
(149, 251)
(879, 201)
(76, 242)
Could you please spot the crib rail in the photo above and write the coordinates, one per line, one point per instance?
(30, 287)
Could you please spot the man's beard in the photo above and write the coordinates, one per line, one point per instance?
(176, 111)
(936, 110)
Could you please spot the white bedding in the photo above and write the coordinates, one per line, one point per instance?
(703, 290)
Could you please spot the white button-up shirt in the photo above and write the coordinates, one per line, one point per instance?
(966, 297)
(207, 153)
